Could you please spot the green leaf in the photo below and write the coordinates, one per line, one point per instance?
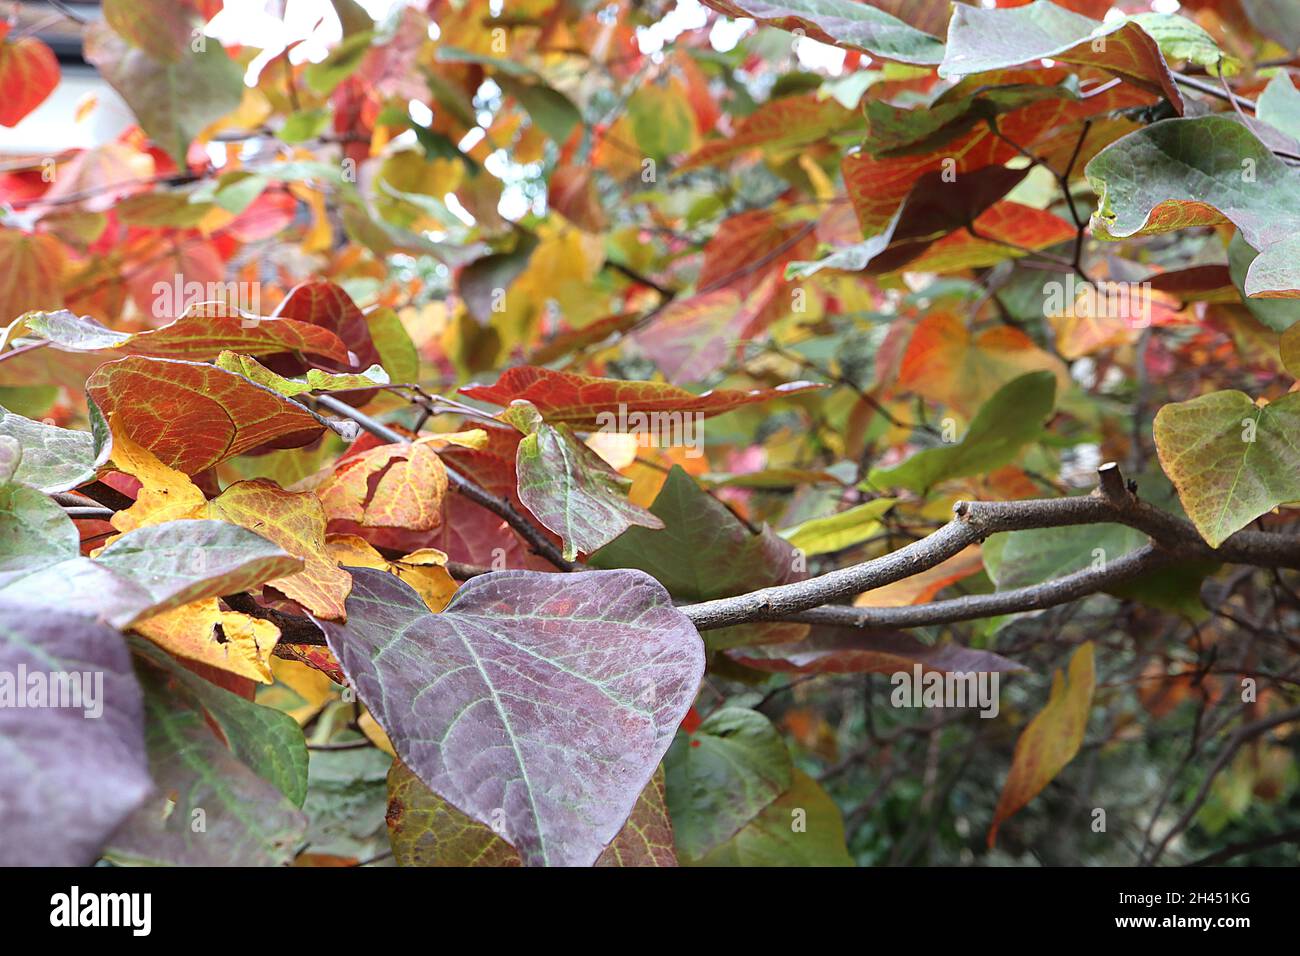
(397, 353)
(569, 488)
(146, 571)
(347, 796)
(1010, 419)
(268, 742)
(1182, 39)
(1020, 558)
(1275, 272)
(341, 63)
(705, 552)
(721, 776)
(162, 28)
(802, 827)
(552, 112)
(1197, 172)
(844, 23)
(34, 531)
(56, 459)
(838, 531)
(305, 125)
(210, 809)
(174, 102)
(426, 830)
(315, 380)
(1279, 105)
(1230, 459)
(1278, 314)
(981, 40)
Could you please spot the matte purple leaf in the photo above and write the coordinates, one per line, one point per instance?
(145, 571)
(539, 702)
(67, 779)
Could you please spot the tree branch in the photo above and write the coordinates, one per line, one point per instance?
(1036, 597)
(1114, 503)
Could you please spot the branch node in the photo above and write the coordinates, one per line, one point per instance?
(1112, 485)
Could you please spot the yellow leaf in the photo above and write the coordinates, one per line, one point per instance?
(165, 493)
(293, 520)
(423, 570)
(1051, 739)
(470, 438)
(296, 522)
(375, 734)
(312, 686)
(201, 631)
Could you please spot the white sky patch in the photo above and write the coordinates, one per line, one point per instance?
(1166, 6)
(471, 139)
(457, 210)
(726, 33)
(513, 205)
(498, 164)
(815, 55)
(420, 112)
(687, 15)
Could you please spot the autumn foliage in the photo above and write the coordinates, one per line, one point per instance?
(544, 433)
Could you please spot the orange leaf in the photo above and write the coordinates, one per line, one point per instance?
(1004, 227)
(29, 72)
(946, 364)
(193, 416)
(31, 273)
(784, 124)
(922, 587)
(748, 246)
(201, 335)
(1051, 739)
(392, 486)
(878, 184)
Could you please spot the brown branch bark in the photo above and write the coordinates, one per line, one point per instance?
(1172, 539)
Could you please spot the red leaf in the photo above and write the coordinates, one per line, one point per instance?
(29, 73)
(577, 399)
(193, 416)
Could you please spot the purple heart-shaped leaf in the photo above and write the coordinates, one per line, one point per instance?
(539, 704)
